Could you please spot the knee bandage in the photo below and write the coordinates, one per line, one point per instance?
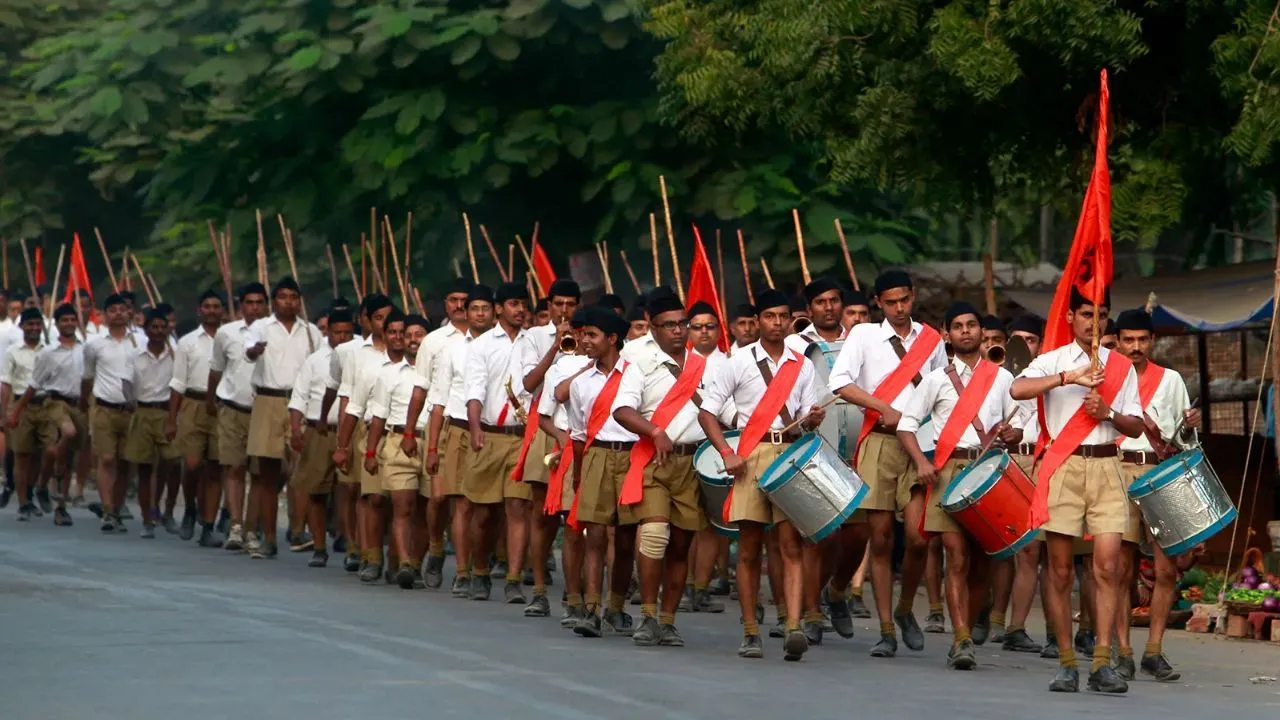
(652, 538)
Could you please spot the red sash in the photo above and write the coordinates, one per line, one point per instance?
(595, 421)
(963, 415)
(675, 400)
(1071, 435)
(530, 430)
(893, 385)
(769, 407)
(1148, 382)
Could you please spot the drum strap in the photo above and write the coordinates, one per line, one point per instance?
(908, 370)
(954, 377)
(676, 399)
(784, 413)
(697, 399)
(901, 352)
(597, 416)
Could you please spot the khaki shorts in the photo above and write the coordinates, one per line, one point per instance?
(197, 431)
(749, 502)
(539, 446)
(314, 473)
(233, 436)
(1087, 496)
(455, 453)
(486, 480)
(671, 492)
(146, 442)
(600, 487)
(33, 432)
(56, 412)
(398, 472)
(370, 484)
(888, 472)
(937, 520)
(358, 434)
(109, 428)
(269, 427)
(1136, 531)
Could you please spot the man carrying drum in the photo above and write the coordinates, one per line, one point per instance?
(968, 400)
(1165, 409)
(1080, 487)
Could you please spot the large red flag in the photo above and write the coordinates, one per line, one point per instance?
(702, 286)
(78, 279)
(542, 267)
(1089, 265)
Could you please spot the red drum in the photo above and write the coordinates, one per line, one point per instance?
(991, 499)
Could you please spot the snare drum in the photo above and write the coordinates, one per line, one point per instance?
(715, 483)
(991, 499)
(1183, 502)
(813, 486)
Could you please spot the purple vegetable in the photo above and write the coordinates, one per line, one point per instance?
(1251, 582)
(1247, 573)
(1240, 586)
(1271, 604)
(1265, 586)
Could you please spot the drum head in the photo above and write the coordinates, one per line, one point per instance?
(975, 479)
(1017, 356)
(708, 464)
(1165, 473)
(782, 469)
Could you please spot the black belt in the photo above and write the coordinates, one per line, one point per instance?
(1025, 449)
(460, 424)
(153, 405)
(503, 429)
(236, 406)
(400, 429)
(272, 392)
(195, 395)
(616, 446)
(109, 405)
(1106, 450)
(777, 437)
(685, 449)
(882, 430)
(51, 395)
(311, 423)
(969, 454)
(1139, 457)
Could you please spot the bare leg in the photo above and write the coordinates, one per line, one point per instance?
(518, 512)
(750, 543)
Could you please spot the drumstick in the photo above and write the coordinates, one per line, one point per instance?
(799, 420)
(1178, 430)
(995, 435)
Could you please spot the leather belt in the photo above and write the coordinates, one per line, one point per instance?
(195, 395)
(969, 454)
(153, 405)
(400, 430)
(1139, 457)
(882, 430)
(1025, 449)
(272, 392)
(109, 405)
(616, 446)
(502, 429)
(460, 424)
(51, 395)
(1105, 450)
(777, 437)
(236, 406)
(685, 449)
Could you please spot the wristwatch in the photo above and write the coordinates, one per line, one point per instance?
(1111, 414)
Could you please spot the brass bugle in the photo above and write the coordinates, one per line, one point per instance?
(568, 343)
(550, 458)
(800, 324)
(996, 354)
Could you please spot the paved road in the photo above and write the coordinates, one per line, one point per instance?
(117, 627)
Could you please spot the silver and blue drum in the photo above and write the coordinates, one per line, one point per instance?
(715, 483)
(814, 486)
(1183, 502)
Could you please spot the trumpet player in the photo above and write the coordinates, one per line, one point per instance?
(496, 415)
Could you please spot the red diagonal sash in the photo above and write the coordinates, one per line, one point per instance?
(595, 421)
(530, 430)
(893, 385)
(963, 415)
(1148, 383)
(1074, 433)
(672, 403)
(770, 405)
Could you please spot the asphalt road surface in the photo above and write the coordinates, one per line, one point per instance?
(119, 627)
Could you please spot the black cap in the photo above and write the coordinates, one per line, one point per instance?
(607, 320)
(701, 308)
(1078, 299)
(854, 297)
(743, 310)
(797, 303)
(663, 304)
(394, 316)
(456, 286)
(890, 279)
(1137, 319)
(1111, 327)
(211, 294)
(373, 302)
(1028, 324)
(286, 283)
(116, 299)
(820, 286)
(416, 319)
(579, 317)
(512, 291)
(563, 288)
(340, 315)
(635, 314)
(771, 298)
(250, 288)
(991, 322)
(63, 310)
(30, 314)
(479, 292)
(611, 301)
(541, 306)
(958, 309)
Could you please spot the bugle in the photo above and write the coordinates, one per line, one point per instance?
(568, 344)
(996, 354)
(800, 324)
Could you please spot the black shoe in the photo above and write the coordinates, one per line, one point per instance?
(718, 586)
(858, 609)
(513, 595)
(43, 500)
(211, 538)
(1105, 680)
(812, 633)
(319, 559)
(62, 517)
(1066, 681)
(751, 647)
(526, 577)
(588, 625)
(1159, 668)
(886, 648)
(703, 602)
(617, 623)
(1050, 649)
(1020, 641)
(339, 545)
(982, 627)
(224, 521)
(170, 524)
(778, 630)
(648, 634)
(404, 577)
(499, 569)
(24, 513)
(6, 495)
(935, 624)
(539, 606)
(188, 528)
(351, 563)
(1125, 668)
(108, 523)
(570, 616)
(669, 636)
(302, 542)
(962, 656)
(796, 645)
(96, 509)
(370, 573)
(433, 572)
(911, 635)
(461, 588)
(481, 586)
(1084, 643)
(842, 619)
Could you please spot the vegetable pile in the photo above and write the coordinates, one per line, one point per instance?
(1255, 589)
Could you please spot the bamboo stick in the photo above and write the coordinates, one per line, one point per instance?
(604, 269)
(373, 243)
(848, 259)
(293, 268)
(155, 287)
(351, 269)
(125, 282)
(106, 259)
(804, 262)
(630, 272)
(529, 280)
(493, 253)
(724, 309)
(364, 271)
(333, 269)
(417, 299)
(26, 258)
(767, 276)
(529, 260)
(53, 290)
(142, 277)
(5, 242)
(408, 236)
(372, 252)
(471, 251)
(653, 244)
(395, 258)
(989, 283)
(217, 251)
(511, 260)
(746, 269)
(226, 253)
(671, 237)
(262, 250)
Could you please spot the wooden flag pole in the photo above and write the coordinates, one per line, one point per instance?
(471, 251)
(804, 262)
(26, 258)
(155, 287)
(511, 260)
(262, 250)
(493, 253)
(106, 259)
(333, 268)
(767, 276)
(372, 252)
(724, 310)
(604, 269)
(364, 269)
(293, 268)
(671, 237)
(125, 282)
(630, 273)
(746, 269)
(533, 294)
(848, 259)
(653, 243)
(351, 269)
(989, 283)
(395, 258)
(142, 276)
(528, 259)
(5, 242)
(226, 253)
(53, 290)
(218, 252)
(408, 235)
(417, 299)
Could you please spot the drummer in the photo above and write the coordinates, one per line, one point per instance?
(760, 372)
(1079, 483)
(968, 400)
(877, 368)
(1166, 408)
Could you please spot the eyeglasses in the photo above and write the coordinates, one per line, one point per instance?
(673, 324)
(705, 326)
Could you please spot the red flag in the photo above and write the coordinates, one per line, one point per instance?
(1089, 266)
(542, 267)
(702, 286)
(78, 279)
(39, 266)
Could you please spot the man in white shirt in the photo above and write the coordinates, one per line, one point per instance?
(750, 372)
(108, 365)
(1168, 420)
(496, 406)
(55, 388)
(601, 458)
(876, 370)
(192, 422)
(1085, 491)
(277, 346)
(448, 450)
(231, 376)
(24, 428)
(968, 401)
(147, 446)
(314, 473)
(399, 471)
(857, 309)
